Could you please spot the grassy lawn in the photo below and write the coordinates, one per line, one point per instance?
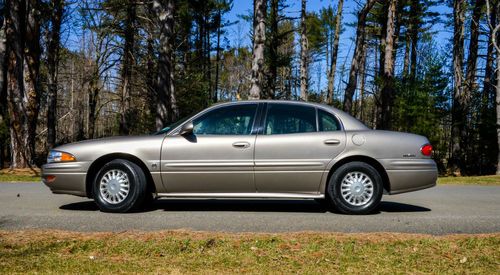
(22, 175)
(481, 180)
(195, 252)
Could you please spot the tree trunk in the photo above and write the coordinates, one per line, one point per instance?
(151, 69)
(21, 152)
(335, 50)
(406, 60)
(32, 68)
(387, 92)
(485, 135)
(127, 64)
(470, 75)
(3, 69)
(273, 50)
(497, 101)
(358, 55)
(414, 30)
(166, 111)
(3, 75)
(304, 53)
(259, 39)
(57, 7)
(93, 94)
(495, 35)
(458, 116)
(217, 57)
(362, 73)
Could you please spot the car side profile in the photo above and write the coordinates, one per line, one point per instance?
(247, 149)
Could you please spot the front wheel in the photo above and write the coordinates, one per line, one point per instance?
(355, 188)
(120, 186)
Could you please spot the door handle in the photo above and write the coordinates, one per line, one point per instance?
(332, 142)
(241, 144)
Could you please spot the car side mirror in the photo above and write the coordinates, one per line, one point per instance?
(187, 129)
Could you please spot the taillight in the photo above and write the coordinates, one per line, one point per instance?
(426, 150)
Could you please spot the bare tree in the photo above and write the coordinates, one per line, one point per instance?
(23, 55)
(54, 34)
(304, 54)
(470, 75)
(167, 106)
(358, 54)
(3, 71)
(495, 37)
(335, 50)
(99, 60)
(459, 98)
(32, 68)
(387, 92)
(127, 64)
(259, 39)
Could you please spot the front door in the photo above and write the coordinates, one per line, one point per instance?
(296, 145)
(217, 158)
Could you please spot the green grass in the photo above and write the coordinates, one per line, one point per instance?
(19, 178)
(191, 252)
(481, 180)
(20, 175)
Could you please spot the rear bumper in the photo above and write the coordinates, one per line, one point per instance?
(406, 175)
(69, 178)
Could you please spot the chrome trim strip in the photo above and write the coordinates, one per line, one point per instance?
(289, 163)
(240, 171)
(209, 164)
(243, 195)
(55, 173)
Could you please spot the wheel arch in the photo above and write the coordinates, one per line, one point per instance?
(369, 160)
(99, 162)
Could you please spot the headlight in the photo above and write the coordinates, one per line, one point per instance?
(56, 156)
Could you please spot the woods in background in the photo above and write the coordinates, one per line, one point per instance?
(74, 70)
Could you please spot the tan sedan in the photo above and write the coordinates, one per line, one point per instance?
(247, 149)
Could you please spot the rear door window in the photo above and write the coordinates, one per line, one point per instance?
(289, 119)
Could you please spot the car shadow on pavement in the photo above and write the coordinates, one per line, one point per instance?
(237, 205)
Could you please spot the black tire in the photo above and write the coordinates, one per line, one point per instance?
(342, 204)
(137, 185)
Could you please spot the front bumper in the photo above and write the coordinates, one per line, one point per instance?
(407, 175)
(69, 178)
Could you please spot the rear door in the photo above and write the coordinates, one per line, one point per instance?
(294, 148)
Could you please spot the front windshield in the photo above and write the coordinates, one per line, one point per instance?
(172, 126)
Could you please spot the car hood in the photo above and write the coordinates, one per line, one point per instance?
(140, 146)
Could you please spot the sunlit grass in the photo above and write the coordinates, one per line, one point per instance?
(481, 180)
(20, 175)
(192, 252)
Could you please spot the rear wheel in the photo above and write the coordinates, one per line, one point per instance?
(120, 186)
(355, 188)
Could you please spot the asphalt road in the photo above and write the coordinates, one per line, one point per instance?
(440, 210)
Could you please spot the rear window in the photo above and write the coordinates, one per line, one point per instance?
(327, 122)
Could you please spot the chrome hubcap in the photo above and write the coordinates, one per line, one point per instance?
(114, 186)
(356, 188)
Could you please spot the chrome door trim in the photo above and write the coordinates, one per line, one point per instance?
(209, 164)
(274, 163)
(243, 195)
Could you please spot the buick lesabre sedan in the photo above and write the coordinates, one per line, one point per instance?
(247, 149)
